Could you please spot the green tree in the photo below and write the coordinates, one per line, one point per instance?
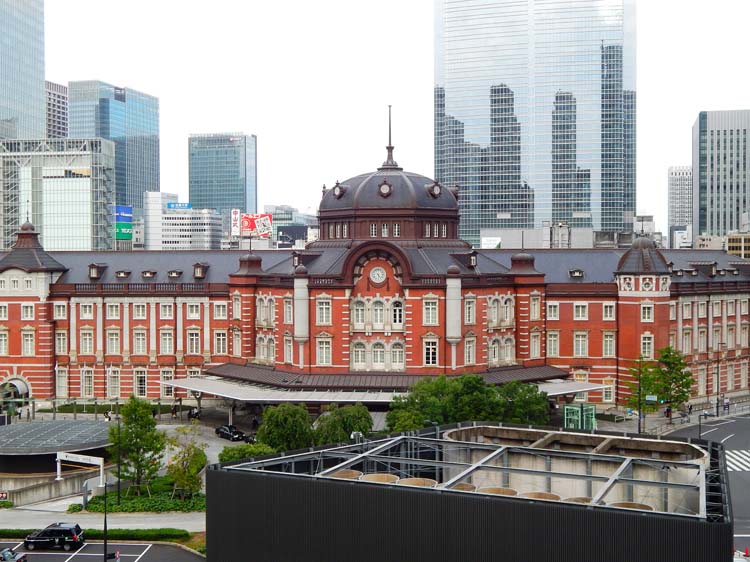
(286, 427)
(188, 460)
(338, 424)
(673, 380)
(646, 373)
(141, 444)
(467, 398)
(245, 451)
(523, 403)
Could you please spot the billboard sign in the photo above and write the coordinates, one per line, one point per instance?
(179, 205)
(122, 222)
(235, 222)
(256, 225)
(123, 231)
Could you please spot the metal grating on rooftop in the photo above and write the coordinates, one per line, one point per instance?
(41, 438)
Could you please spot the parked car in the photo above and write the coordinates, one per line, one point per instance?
(230, 432)
(58, 535)
(8, 555)
(250, 438)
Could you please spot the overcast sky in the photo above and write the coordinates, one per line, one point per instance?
(313, 80)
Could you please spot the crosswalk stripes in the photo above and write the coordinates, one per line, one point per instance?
(738, 461)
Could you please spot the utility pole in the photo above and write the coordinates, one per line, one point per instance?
(105, 519)
(119, 439)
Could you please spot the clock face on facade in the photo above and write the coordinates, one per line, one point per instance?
(385, 189)
(337, 191)
(377, 275)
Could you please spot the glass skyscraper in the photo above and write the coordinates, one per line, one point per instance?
(22, 93)
(223, 172)
(131, 120)
(535, 112)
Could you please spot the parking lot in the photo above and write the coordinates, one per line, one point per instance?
(129, 552)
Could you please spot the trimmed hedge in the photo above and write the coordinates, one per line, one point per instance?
(157, 503)
(166, 534)
(6, 504)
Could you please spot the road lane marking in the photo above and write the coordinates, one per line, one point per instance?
(727, 437)
(738, 460)
(142, 553)
(76, 552)
(710, 430)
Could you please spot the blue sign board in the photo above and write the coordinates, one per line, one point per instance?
(179, 206)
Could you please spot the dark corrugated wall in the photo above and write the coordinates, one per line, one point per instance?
(276, 518)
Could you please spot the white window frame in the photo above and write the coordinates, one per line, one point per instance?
(358, 313)
(647, 346)
(580, 311)
(166, 342)
(28, 344)
(647, 312)
(113, 311)
(61, 382)
(27, 312)
(86, 311)
(609, 344)
(553, 311)
(744, 306)
(397, 230)
(470, 351)
(59, 311)
(731, 337)
(580, 344)
(140, 342)
(221, 342)
(166, 311)
(702, 309)
(61, 342)
(193, 342)
(702, 340)
(87, 345)
(138, 375)
(470, 312)
(398, 356)
(430, 312)
(324, 351)
(378, 314)
(672, 311)
(553, 344)
(687, 310)
(716, 308)
(114, 342)
(430, 354)
(535, 345)
(378, 356)
(535, 308)
(220, 311)
(3, 342)
(87, 382)
(236, 343)
(113, 382)
(288, 349)
(608, 311)
(140, 311)
(166, 374)
(397, 314)
(3, 311)
(323, 311)
(608, 392)
(373, 230)
(193, 311)
(288, 311)
(731, 307)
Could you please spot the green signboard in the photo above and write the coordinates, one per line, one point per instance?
(123, 231)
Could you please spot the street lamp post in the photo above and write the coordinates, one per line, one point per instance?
(105, 519)
(717, 373)
(119, 438)
(640, 375)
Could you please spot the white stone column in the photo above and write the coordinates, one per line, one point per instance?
(99, 330)
(179, 349)
(207, 330)
(301, 316)
(152, 351)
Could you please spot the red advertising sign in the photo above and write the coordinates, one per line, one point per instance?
(257, 225)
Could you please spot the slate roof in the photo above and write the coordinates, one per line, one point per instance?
(28, 255)
(259, 374)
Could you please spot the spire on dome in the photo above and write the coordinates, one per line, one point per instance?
(389, 163)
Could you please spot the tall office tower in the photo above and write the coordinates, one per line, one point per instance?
(63, 186)
(223, 173)
(22, 69)
(535, 113)
(130, 119)
(679, 199)
(721, 186)
(57, 110)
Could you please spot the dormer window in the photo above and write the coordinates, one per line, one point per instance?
(148, 274)
(576, 273)
(122, 274)
(295, 259)
(174, 273)
(473, 259)
(200, 270)
(96, 270)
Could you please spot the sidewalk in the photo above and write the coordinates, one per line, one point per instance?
(37, 516)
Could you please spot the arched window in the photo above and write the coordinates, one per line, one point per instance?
(373, 230)
(271, 310)
(358, 315)
(494, 352)
(260, 348)
(509, 352)
(271, 345)
(377, 313)
(397, 356)
(359, 356)
(397, 313)
(494, 312)
(261, 304)
(378, 356)
(507, 316)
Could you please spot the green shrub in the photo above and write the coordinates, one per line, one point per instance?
(239, 452)
(75, 507)
(166, 534)
(6, 504)
(157, 503)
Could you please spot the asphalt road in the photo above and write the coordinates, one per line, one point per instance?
(734, 433)
(129, 552)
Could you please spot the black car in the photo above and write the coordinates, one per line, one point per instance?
(58, 535)
(230, 432)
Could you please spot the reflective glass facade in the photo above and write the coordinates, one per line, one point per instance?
(721, 186)
(22, 95)
(63, 186)
(223, 172)
(131, 120)
(535, 112)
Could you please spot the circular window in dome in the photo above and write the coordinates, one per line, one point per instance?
(385, 189)
(435, 189)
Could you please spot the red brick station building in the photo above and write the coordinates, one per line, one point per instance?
(388, 294)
